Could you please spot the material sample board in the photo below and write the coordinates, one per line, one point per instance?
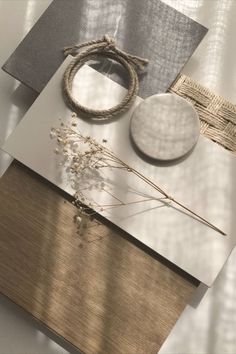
(150, 29)
(203, 181)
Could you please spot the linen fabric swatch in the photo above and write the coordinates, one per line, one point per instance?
(150, 29)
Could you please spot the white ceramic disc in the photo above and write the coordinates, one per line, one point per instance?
(165, 127)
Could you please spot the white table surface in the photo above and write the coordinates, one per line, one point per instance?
(19, 333)
(210, 326)
(16, 19)
(213, 65)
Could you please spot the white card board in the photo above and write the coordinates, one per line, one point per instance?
(204, 181)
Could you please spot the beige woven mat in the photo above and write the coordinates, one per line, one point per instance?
(218, 116)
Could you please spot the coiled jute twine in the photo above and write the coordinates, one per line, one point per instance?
(106, 48)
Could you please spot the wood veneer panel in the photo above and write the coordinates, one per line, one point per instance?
(101, 292)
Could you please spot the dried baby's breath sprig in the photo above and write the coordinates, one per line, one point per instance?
(87, 226)
(83, 155)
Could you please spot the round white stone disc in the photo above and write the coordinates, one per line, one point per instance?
(165, 127)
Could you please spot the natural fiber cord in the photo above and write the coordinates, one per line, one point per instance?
(106, 48)
(217, 115)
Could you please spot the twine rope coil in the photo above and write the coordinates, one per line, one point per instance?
(106, 48)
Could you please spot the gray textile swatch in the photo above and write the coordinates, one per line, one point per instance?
(149, 28)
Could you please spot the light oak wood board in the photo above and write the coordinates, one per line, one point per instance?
(103, 292)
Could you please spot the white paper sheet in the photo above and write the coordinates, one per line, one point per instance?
(204, 181)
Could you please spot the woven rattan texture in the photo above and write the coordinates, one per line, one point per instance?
(217, 115)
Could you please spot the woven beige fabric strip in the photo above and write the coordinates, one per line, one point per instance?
(217, 115)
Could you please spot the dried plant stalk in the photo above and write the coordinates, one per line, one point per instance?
(98, 156)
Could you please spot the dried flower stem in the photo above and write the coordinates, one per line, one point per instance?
(100, 156)
(156, 187)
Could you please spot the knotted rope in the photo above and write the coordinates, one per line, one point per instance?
(104, 47)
